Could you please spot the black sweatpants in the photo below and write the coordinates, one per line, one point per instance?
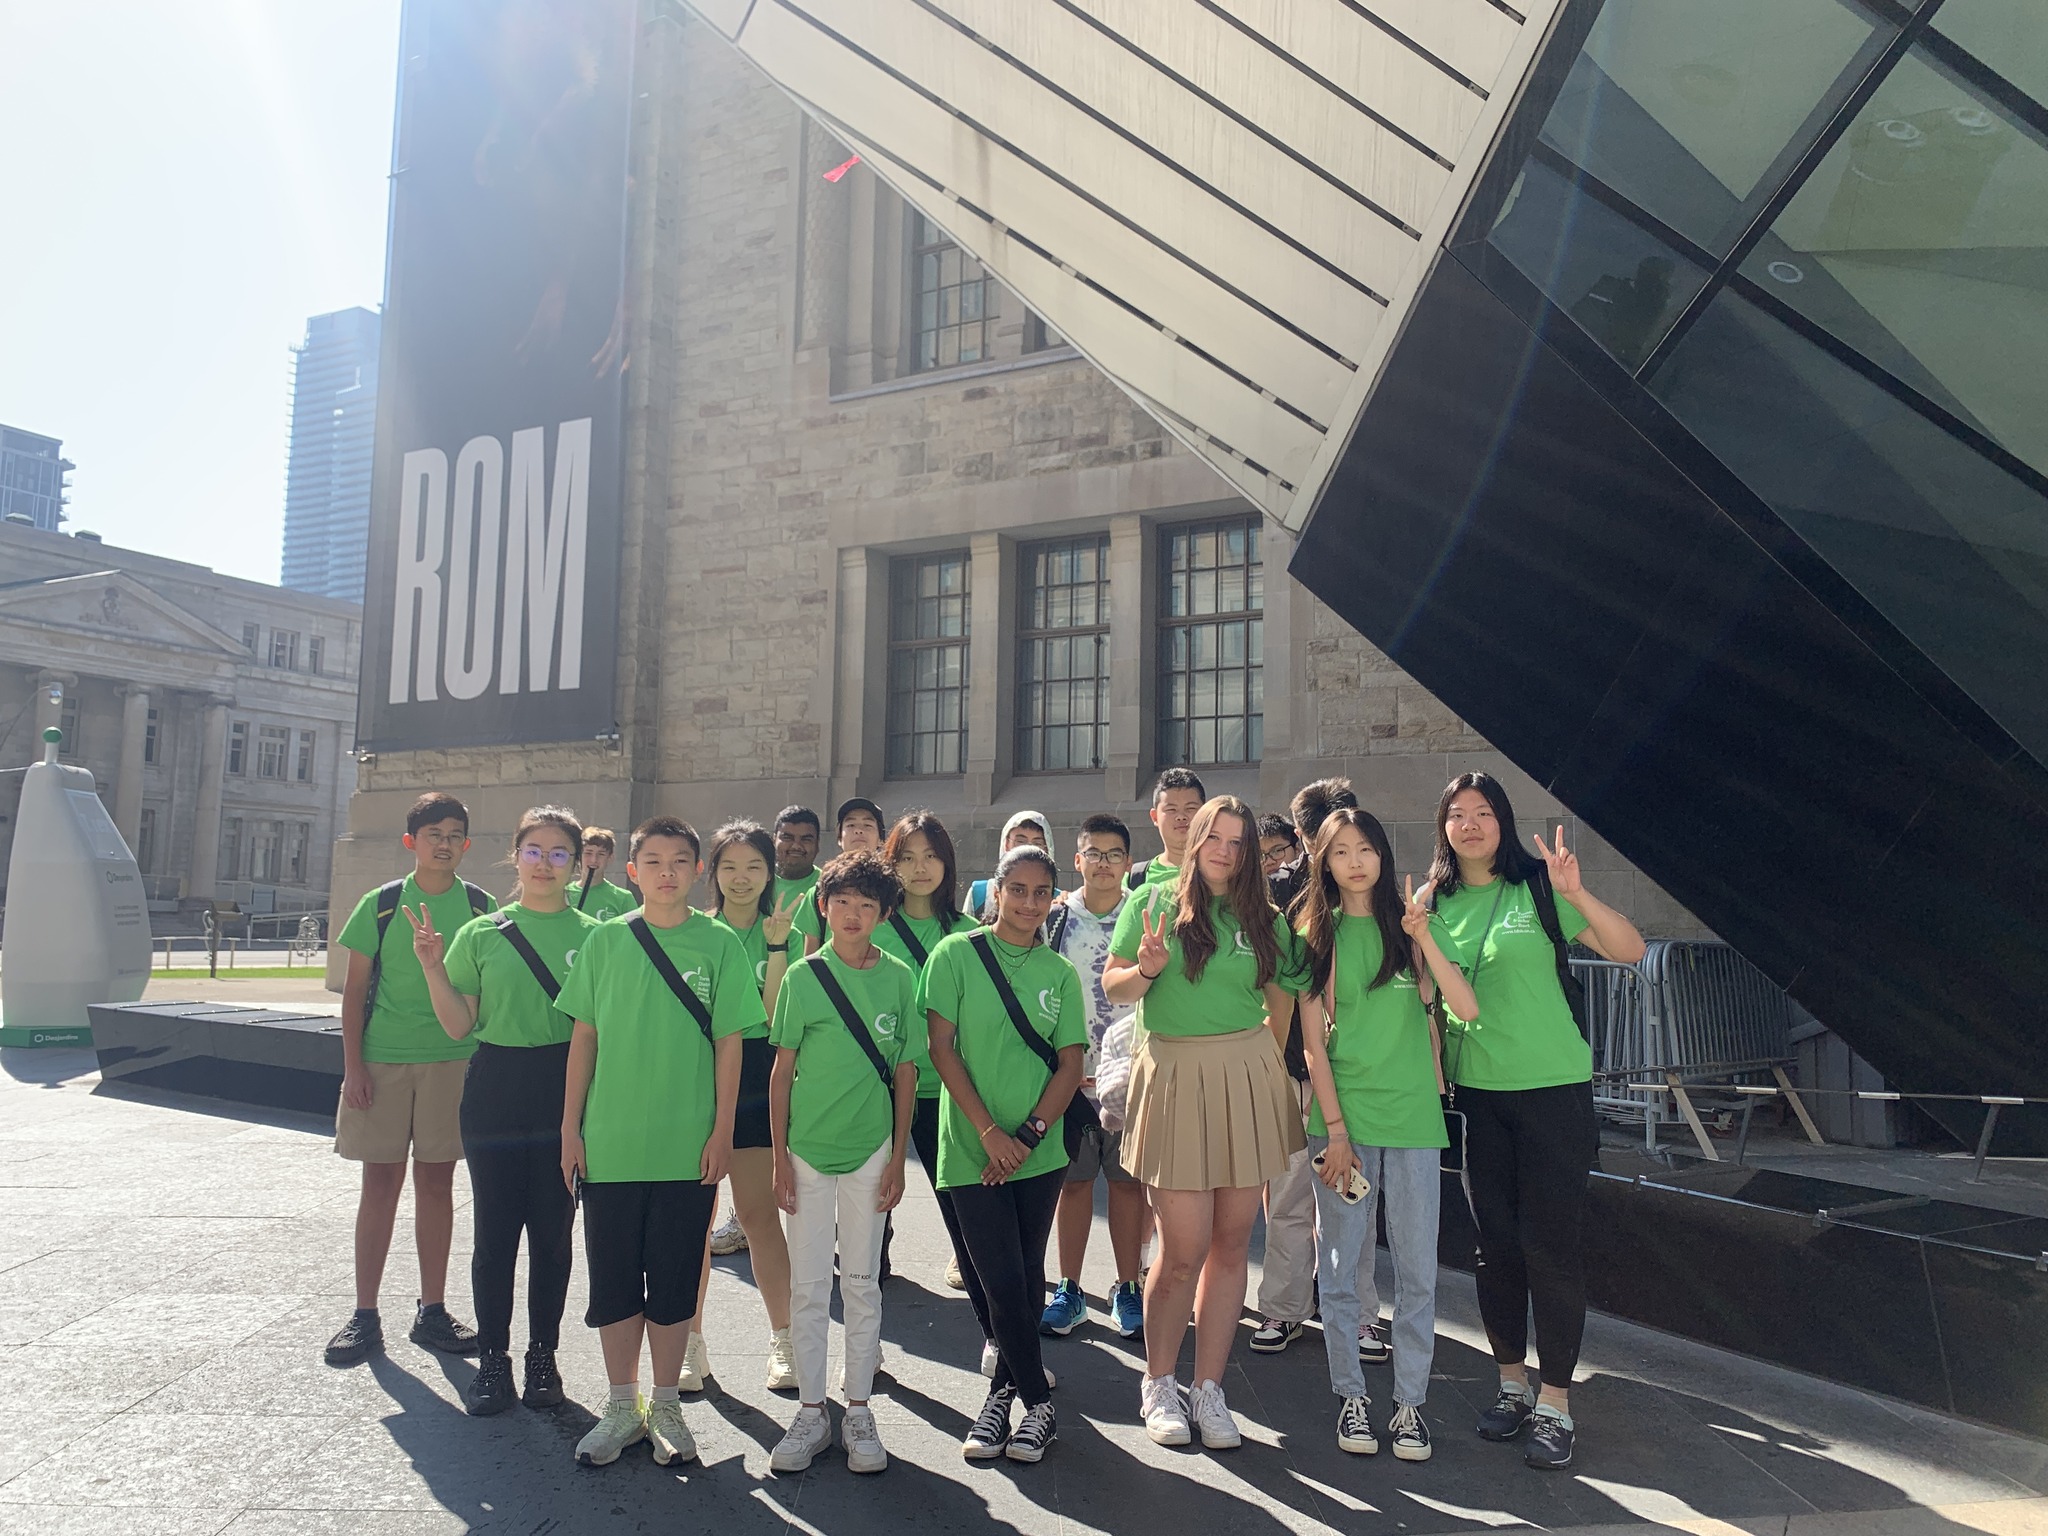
(1005, 1228)
(1528, 1152)
(512, 1138)
(924, 1138)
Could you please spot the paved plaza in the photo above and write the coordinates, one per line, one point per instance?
(169, 1269)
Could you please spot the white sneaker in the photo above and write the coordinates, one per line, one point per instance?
(1166, 1421)
(991, 1357)
(1212, 1416)
(623, 1424)
(729, 1237)
(953, 1277)
(781, 1362)
(863, 1442)
(809, 1433)
(696, 1364)
(668, 1434)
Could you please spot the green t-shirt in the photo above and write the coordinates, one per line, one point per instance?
(1380, 1052)
(839, 1110)
(1227, 998)
(402, 1026)
(754, 943)
(928, 934)
(606, 900)
(1007, 1073)
(654, 1096)
(511, 1009)
(1525, 1036)
(1157, 872)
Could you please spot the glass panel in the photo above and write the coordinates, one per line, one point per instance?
(1683, 106)
(1621, 284)
(1949, 547)
(1922, 241)
(2010, 36)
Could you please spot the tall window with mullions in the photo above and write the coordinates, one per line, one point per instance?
(927, 712)
(1212, 597)
(1063, 656)
(952, 301)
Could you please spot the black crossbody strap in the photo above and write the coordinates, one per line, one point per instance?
(1574, 990)
(525, 950)
(583, 895)
(918, 953)
(856, 1026)
(685, 993)
(1040, 1046)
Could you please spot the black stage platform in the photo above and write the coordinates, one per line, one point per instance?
(1935, 1300)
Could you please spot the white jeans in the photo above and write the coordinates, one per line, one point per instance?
(836, 1212)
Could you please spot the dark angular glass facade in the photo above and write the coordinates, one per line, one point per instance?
(1709, 479)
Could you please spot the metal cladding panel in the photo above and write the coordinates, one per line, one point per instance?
(1226, 205)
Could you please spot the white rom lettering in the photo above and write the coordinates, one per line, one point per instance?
(509, 571)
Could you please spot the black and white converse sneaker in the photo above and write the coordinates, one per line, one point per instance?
(1408, 1433)
(1037, 1432)
(1354, 1427)
(991, 1430)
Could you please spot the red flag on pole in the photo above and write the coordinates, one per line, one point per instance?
(838, 171)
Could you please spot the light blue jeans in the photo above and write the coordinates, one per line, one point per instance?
(1345, 1233)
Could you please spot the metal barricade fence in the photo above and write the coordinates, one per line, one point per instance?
(1618, 1021)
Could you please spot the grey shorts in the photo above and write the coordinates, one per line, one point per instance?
(1098, 1151)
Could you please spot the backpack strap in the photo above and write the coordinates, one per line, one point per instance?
(523, 947)
(1134, 877)
(479, 899)
(856, 1026)
(1040, 1046)
(1541, 897)
(583, 895)
(918, 953)
(387, 908)
(685, 993)
(1056, 925)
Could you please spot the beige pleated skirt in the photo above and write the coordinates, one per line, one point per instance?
(1210, 1112)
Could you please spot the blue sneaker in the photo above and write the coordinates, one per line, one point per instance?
(1127, 1309)
(1067, 1310)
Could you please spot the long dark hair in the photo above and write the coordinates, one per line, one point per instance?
(946, 899)
(1193, 928)
(1510, 861)
(737, 834)
(1316, 909)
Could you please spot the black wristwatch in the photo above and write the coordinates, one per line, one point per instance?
(779, 949)
(1032, 1131)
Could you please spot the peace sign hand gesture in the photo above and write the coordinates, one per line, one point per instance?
(1152, 953)
(1565, 877)
(1415, 917)
(426, 942)
(776, 925)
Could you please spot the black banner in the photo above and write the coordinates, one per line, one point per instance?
(491, 609)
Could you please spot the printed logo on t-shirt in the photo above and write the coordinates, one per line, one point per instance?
(1519, 920)
(568, 958)
(1049, 1005)
(885, 1025)
(698, 983)
(760, 973)
(1244, 942)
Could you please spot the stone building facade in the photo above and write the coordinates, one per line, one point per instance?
(886, 534)
(217, 715)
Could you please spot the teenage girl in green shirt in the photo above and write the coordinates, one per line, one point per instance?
(511, 1100)
(1521, 1073)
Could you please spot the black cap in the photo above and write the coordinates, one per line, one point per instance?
(858, 803)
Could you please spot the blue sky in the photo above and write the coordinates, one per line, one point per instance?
(185, 184)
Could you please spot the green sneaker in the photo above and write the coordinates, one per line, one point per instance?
(668, 1434)
(624, 1423)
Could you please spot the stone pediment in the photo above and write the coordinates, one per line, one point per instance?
(116, 605)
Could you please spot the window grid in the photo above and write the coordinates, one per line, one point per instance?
(1063, 656)
(928, 623)
(273, 744)
(145, 840)
(238, 747)
(231, 848)
(304, 771)
(251, 634)
(295, 852)
(266, 847)
(284, 649)
(952, 301)
(67, 722)
(1211, 643)
(316, 654)
(151, 729)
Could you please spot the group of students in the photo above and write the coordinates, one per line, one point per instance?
(1264, 1015)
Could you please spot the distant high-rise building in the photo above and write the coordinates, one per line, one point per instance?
(327, 488)
(32, 483)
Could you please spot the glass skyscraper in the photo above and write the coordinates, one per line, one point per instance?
(32, 483)
(327, 489)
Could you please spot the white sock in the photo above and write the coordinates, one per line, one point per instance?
(668, 1394)
(626, 1392)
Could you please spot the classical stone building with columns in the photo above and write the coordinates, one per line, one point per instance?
(885, 533)
(216, 715)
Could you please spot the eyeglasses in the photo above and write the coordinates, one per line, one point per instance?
(1103, 856)
(530, 854)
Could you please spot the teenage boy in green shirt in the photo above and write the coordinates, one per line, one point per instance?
(401, 1084)
(593, 893)
(858, 828)
(1176, 797)
(840, 1133)
(660, 1001)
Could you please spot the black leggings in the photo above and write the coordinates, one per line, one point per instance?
(512, 1137)
(924, 1137)
(1529, 1152)
(1005, 1228)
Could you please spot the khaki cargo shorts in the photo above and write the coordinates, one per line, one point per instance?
(415, 1109)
